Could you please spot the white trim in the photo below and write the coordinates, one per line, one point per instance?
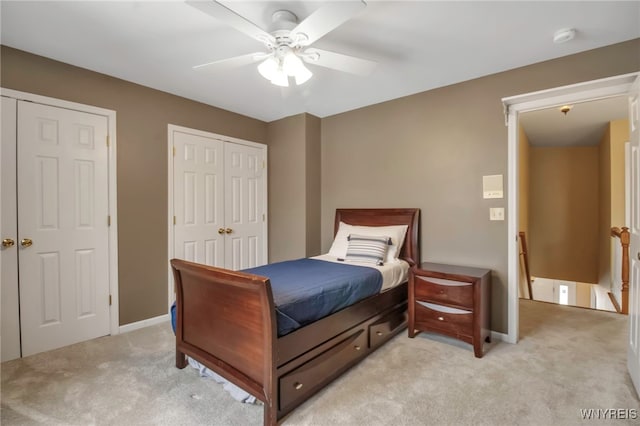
(114, 312)
(499, 337)
(145, 323)
(515, 105)
(627, 184)
(171, 128)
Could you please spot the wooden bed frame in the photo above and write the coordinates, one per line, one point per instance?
(226, 320)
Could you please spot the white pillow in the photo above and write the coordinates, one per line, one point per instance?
(395, 232)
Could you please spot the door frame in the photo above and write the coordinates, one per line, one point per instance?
(171, 128)
(114, 320)
(513, 107)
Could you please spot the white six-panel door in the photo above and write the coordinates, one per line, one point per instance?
(63, 230)
(217, 199)
(198, 187)
(244, 206)
(633, 358)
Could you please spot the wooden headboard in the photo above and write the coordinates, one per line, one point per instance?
(384, 217)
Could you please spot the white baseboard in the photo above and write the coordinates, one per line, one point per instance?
(144, 323)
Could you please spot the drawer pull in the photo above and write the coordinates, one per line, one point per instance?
(441, 291)
(440, 319)
(357, 348)
(378, 333)
(297, 385)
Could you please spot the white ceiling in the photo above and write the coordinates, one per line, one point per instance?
(419, 45)
(583, 125)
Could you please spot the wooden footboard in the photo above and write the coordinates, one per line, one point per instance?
(226, 320)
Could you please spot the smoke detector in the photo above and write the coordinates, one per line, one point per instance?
(564, 35)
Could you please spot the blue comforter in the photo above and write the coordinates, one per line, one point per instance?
(306, 290)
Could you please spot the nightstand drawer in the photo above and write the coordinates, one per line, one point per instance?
(455, 293)
(452, 320)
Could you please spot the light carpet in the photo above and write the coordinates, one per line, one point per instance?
(568, 359)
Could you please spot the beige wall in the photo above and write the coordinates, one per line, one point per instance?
(563, 225)
(430, 150)
(604, 211)
(612, 193)
(294, 187)
(142, 118)
(314, 184)
(523, 200)
(619, 130)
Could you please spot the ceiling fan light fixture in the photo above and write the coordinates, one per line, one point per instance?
(303, 75)
(280, 78)
(291, 64)
(268, 68)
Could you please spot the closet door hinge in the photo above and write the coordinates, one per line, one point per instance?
(174, 220)
(109, 220)
(174, 151)
(108, 142)
(109, 300)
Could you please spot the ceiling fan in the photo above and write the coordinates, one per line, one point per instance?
(289, 45)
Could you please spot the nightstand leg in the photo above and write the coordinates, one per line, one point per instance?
(477, 350)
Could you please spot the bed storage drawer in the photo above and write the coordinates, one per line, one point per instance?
(386, 326)
(309, 377)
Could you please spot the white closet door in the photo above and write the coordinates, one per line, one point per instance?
(62, 230)
(198, 200)
(244, 206)
(9, 235)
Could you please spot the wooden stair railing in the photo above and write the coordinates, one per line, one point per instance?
(623, 235)
(525, 259)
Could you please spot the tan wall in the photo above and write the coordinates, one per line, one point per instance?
(294, 187)
(523, 200)
(314, 184)
(287, 206)
(430, 150)
(612, 193)
(583, 295)
(564, 213)
(604, 211)
(142, 118)
(619, 130)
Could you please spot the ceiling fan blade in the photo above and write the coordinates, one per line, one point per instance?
(338, 61)
(236, 61)
(325, 19)
(231, 18)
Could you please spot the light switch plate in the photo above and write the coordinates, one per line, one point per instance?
(496, 213)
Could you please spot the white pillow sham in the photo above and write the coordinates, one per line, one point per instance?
(395, 232)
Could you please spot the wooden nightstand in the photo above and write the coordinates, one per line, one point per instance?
(451, 300)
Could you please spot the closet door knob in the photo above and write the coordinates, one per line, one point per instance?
(26, 242)
(8, 242)
(228, 230)
(220, 231)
